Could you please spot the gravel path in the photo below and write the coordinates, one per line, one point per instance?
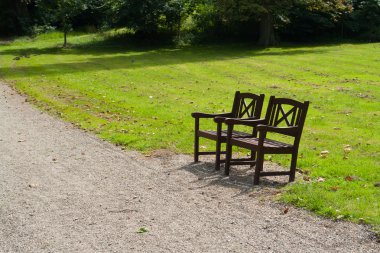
(64, 190)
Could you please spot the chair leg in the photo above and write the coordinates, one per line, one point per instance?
(228, 159)
(218, 145)
(196, 141)
(253, 157)
(293, 165)
(196, 149)
(258, 168)
(217, 156)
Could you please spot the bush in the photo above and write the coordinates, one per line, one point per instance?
(205, 23)
(40, 29)
(198, 24)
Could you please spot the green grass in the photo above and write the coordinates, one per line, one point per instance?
(142, 97)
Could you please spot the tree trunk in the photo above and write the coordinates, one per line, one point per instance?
(64, 38)
(266, 37)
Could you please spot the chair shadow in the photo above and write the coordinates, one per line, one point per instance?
(240, 178)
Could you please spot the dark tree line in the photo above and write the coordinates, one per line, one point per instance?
(263, 21)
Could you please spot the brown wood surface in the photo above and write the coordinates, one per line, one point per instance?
(245, 105)
(279, 120)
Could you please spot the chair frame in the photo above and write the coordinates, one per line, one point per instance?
(274, 116)
(239, 109)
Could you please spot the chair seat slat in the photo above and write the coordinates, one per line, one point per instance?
(214, 134)
(268, 143)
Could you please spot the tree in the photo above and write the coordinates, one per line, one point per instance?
(270, 12)
(61, 12)
(316, 19)
(265, 11)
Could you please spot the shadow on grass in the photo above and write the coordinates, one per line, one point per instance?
(102, 46)
(102, 56)
(240, 178)
(126, 42)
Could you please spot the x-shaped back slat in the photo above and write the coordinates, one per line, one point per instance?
(246, 108)
(285, 115)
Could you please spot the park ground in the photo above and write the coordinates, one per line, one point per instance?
(141, 97)
(64, 190)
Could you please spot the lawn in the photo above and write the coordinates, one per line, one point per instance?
(141, 97)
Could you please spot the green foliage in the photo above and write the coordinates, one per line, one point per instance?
(308, 20)
(14, 17)
(64, 12)
(199, 22)
(196, 20)
(345, 19)
(263, 11)
(40, 29)
(289, 17)
(96, 14)
(60, 12)
(149, 17)
(243, 10)
(364, 21)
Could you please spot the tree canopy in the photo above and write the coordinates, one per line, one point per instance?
(263, 21)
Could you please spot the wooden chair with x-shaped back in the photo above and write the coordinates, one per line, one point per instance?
(293, 120)
(245, 106)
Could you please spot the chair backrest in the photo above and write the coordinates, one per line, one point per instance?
(288, 113)
(247, 105)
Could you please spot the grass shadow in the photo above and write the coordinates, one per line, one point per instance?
(127, 42)
(101, 44)
(115, 56)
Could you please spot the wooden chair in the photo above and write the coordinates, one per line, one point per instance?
(245, 105)
(276, 115)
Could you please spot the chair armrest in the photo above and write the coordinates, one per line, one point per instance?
(210, 115)
(245, 122)
(281, 130)
(219, 119)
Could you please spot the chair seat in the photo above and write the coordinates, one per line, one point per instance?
(270, 146)
(209, 134)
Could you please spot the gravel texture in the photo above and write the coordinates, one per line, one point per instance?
(64, 190)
